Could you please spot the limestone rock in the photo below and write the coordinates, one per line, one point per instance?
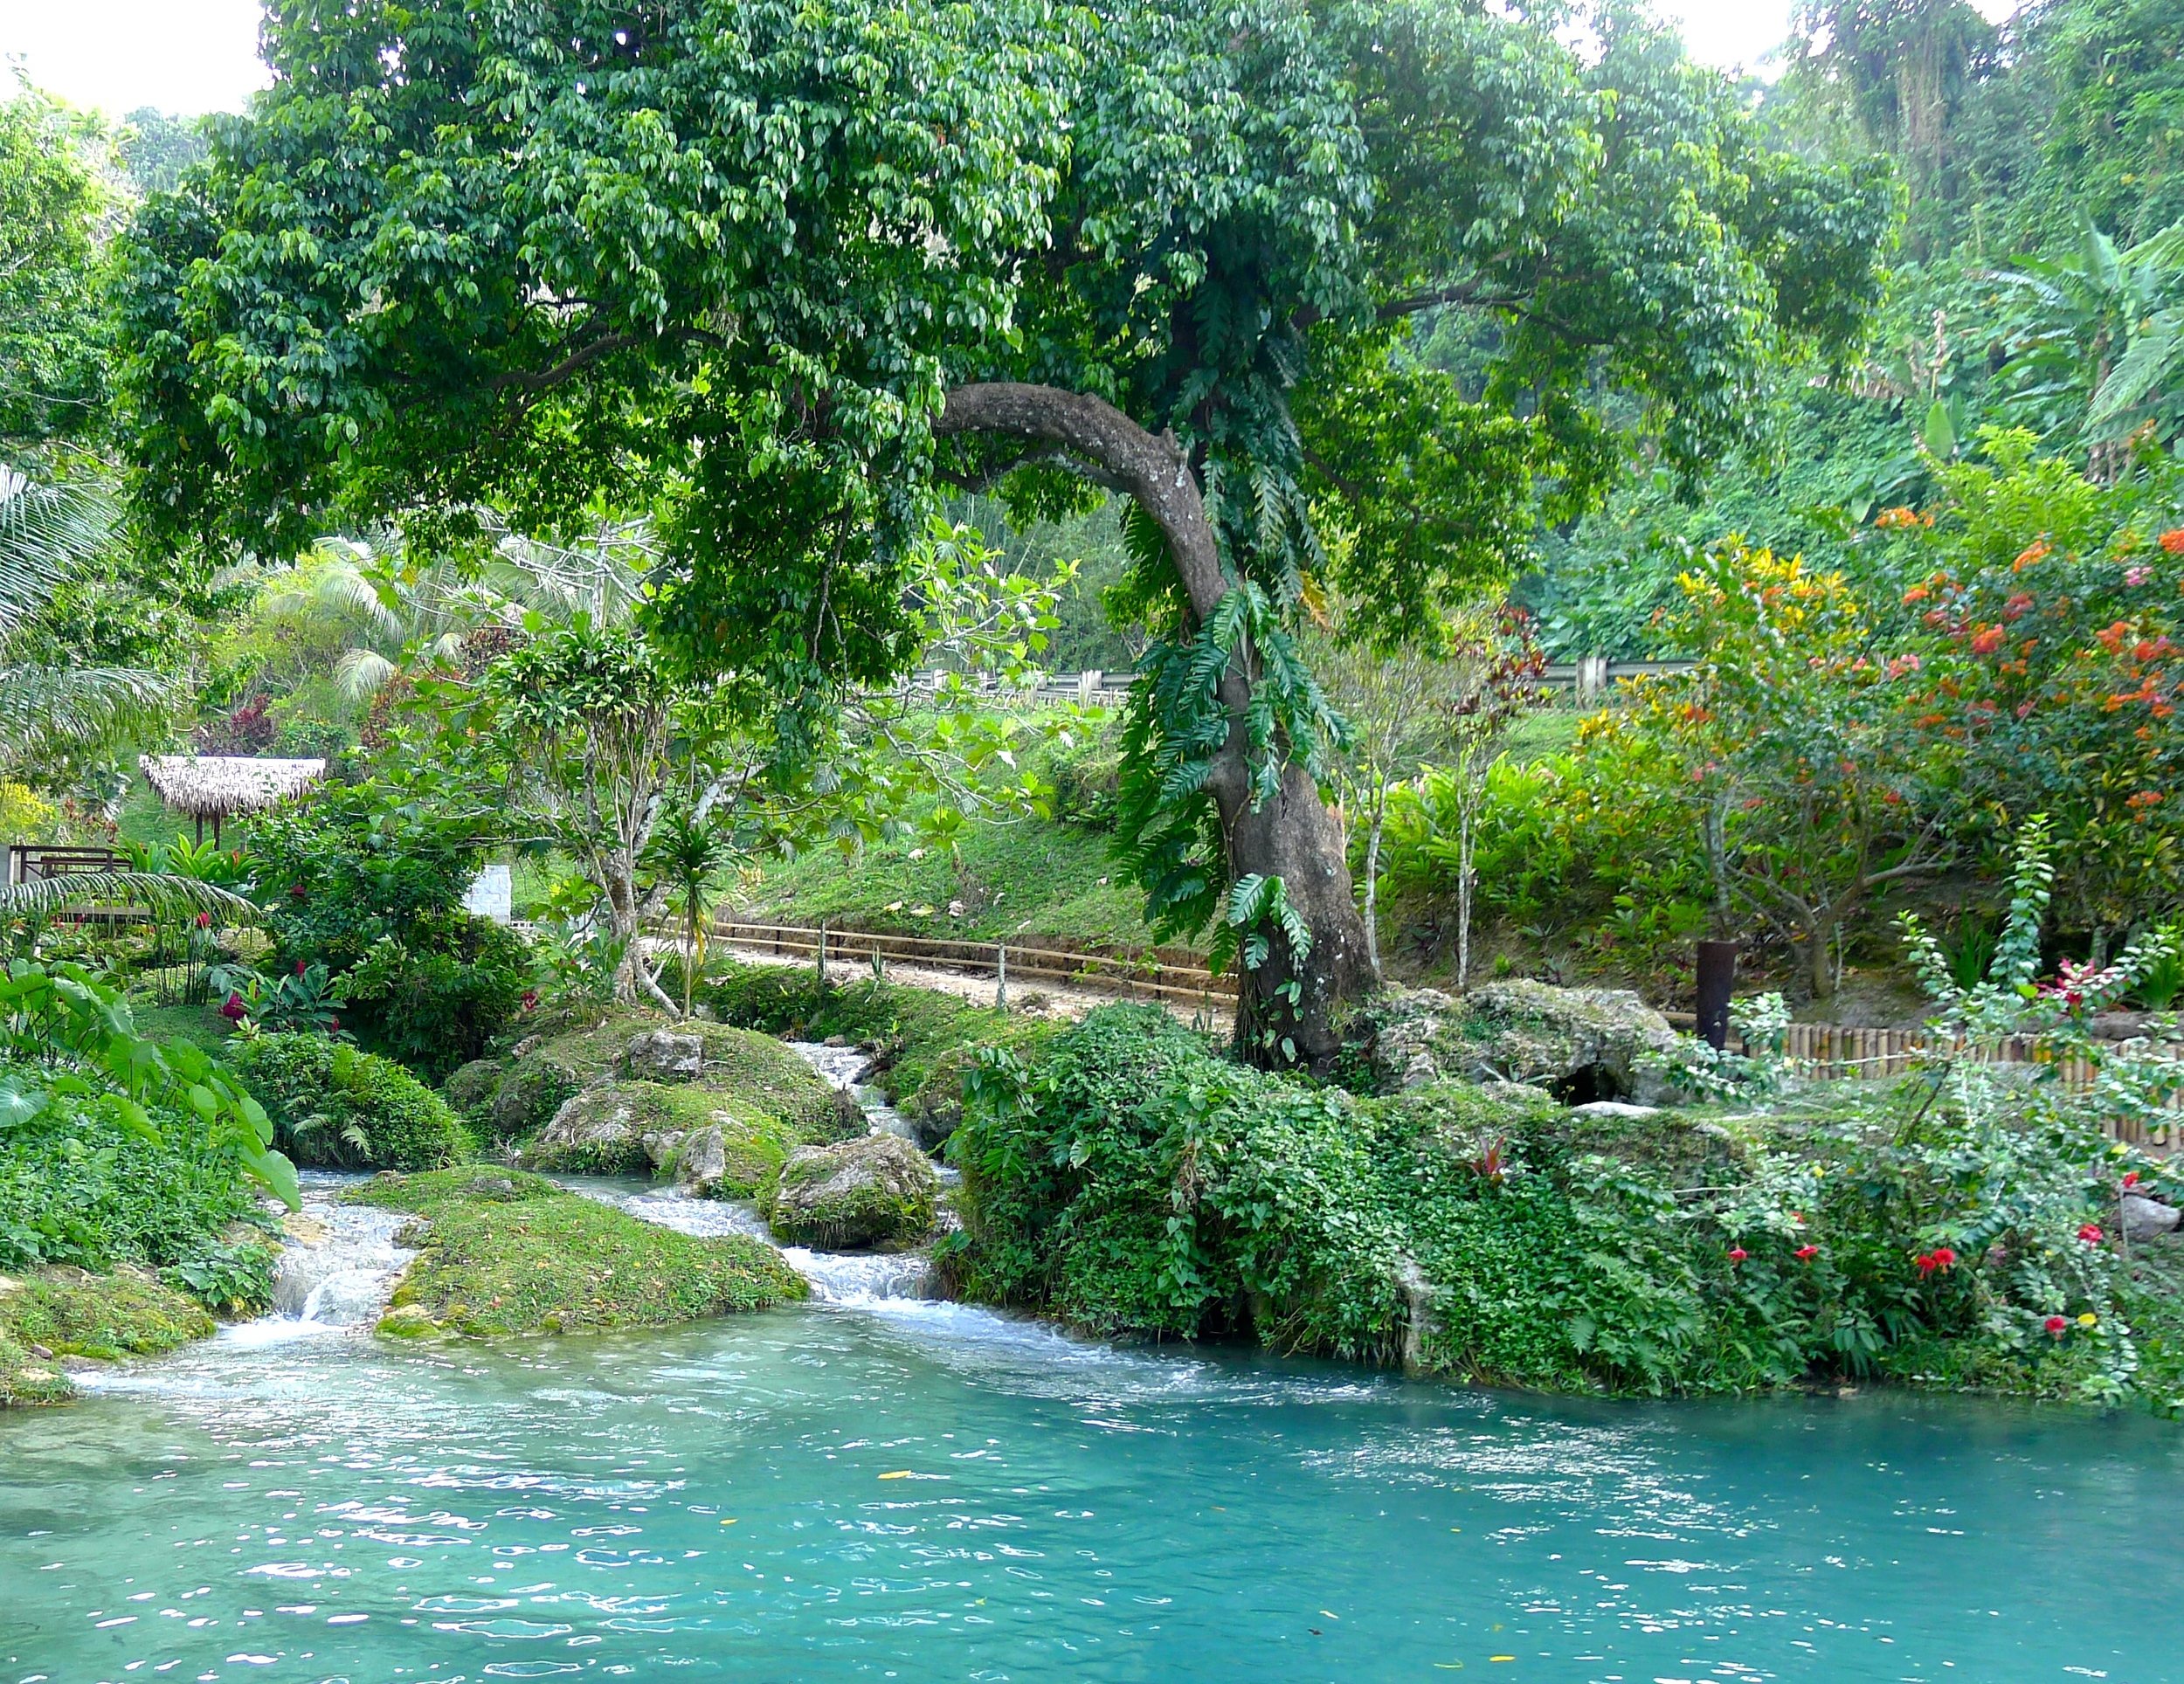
(470, 1090)
(2146, 1218)
(665, 1055)
(935, 1109)
(596, 1130)
(532, 1089)
(1581, 1043)
(861, 1192)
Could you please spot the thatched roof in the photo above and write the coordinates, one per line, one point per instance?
(206, 786)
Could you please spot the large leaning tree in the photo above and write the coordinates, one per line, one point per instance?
(785, 274)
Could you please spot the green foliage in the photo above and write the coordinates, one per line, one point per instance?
(79, 1188)
(1133, 1182)
(69, 1047)
(234, 1280)
(512, 1254)
(106, 1318)
(439, 999)
(368, 881)
(335, 1105)
(51, 204)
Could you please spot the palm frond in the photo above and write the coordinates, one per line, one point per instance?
(164, 896)
(362, 673)
(46, 531)
(46, 710)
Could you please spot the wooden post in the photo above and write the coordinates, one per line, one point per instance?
(1088, 687)
(1001, 982)
(1592, 678)
(1717, 983)
(821, 956)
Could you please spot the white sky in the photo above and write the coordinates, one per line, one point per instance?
(192, 56)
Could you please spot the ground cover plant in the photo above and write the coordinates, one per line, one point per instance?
(512, 1254)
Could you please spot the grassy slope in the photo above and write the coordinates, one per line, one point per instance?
(1025, 878)
(510, 1253)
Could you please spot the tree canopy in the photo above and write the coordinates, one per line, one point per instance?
(784, 274)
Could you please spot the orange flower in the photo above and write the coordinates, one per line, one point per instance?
(2174, 542)
(1986, 640)
(2030, 557)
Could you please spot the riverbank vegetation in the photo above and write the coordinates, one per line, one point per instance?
(1369, 377)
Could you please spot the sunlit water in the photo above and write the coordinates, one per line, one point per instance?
(879, 1486)
(917, 1490)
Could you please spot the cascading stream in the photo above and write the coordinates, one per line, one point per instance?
(863, 1278)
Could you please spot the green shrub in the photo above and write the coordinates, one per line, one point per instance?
(1137, 1183)
(435, 999)
(337, 1106)
(79, 1188)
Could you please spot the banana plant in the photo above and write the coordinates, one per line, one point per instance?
(2099, 349)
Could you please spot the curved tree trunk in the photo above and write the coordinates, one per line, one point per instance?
(1292, 835)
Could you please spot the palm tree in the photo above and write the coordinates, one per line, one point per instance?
(48, 533)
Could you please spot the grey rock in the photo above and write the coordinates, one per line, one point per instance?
(595, 1130)
(2146, 1218)
(664, 1055)
(1616, 1108)
(1584, 1041)
(701, 1160)
(860, 1193)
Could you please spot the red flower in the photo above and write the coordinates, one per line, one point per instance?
(2131, 1179)
(530, 999)
(2090, 1233)
(298, 890)
(231, 1008)
(2056, 1325)
(1986, 640)
(1944, 1257)
(1927, 1262)
(333, 1024)
(1737, 1254)
(299, 967)
(204, 920)
(1807, 1253)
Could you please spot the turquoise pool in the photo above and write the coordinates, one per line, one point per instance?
(918, 1491)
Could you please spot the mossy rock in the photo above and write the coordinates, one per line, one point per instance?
(471, 1089)
(874, 1191)
(936, 1107)
(636, 1128)
(532, 1089)
(754, 1069)
(72, 1313)
(531, 1258)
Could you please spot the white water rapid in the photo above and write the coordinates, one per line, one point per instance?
(858, 1278)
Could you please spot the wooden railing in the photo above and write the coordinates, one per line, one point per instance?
(1030, 962)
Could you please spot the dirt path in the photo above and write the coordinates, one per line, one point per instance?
(1043, 997)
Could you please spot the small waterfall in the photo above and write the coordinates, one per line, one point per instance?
(835, 1277)
(338, 1266)
(841, 1066)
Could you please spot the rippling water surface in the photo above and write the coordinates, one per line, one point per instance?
(919, 1491)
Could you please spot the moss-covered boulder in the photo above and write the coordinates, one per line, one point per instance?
(1580, 1043)
(64, 1313)
(716, 1145)
(469, 1092)
(936, 1107)
(871, 1191)
(513, 1253)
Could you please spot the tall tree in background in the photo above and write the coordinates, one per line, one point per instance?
(53, 371)
(792, 274)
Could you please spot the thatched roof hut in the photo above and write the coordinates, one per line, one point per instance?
(212, 786)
